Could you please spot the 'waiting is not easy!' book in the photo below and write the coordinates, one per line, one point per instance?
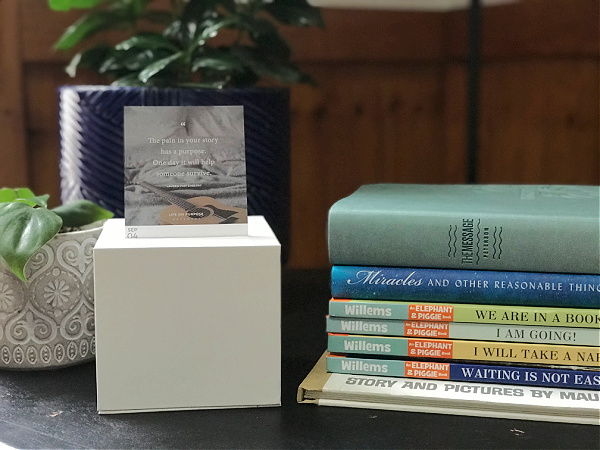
(185, 171)
(449, 397)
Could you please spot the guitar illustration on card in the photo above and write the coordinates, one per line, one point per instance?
(195, 210)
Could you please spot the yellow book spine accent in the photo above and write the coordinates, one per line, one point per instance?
(568, 355)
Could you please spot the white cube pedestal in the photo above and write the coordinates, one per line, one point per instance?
(187, 323)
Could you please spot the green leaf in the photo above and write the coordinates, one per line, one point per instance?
(207, 85)
(66, 5)
(131, 79)
(134, 7)
(246, 78)
(80, 213)
(122, 64)
(269, 67)
(90, 24)
(23, 195)
(217, 60)
(8, 195)
(158, 66)
(196, 15)
(24, 231)
(128, 61)
(151, 41)
(219, 67)
(295, 12)
(213, 26)
(214, 64)
(90, 59)
(266, 36)
(36, 200)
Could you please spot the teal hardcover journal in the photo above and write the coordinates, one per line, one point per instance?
(535, 228)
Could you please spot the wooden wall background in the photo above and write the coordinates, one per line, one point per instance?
(390, 105)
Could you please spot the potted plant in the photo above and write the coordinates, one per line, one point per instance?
(46, 280)
(191, 52)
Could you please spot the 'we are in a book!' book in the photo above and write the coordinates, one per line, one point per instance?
(185, 171)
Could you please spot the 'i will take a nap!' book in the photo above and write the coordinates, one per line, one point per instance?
(185, 171)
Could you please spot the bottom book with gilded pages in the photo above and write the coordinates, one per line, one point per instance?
(449, 397)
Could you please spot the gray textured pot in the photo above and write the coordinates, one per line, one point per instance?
(48, 321)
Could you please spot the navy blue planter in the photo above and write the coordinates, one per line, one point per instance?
(91, 127)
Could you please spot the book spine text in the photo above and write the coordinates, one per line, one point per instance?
(458, 239)
(482, 313)
(466, 286)
(481, 373)
(471, 331)
(568, 355)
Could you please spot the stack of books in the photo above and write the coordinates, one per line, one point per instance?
(477, 300)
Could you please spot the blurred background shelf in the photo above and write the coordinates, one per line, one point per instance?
(390, 105)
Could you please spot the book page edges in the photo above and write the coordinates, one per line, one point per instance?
(538, 416)
(314, 381)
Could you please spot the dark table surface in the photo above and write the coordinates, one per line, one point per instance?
(57, 408)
